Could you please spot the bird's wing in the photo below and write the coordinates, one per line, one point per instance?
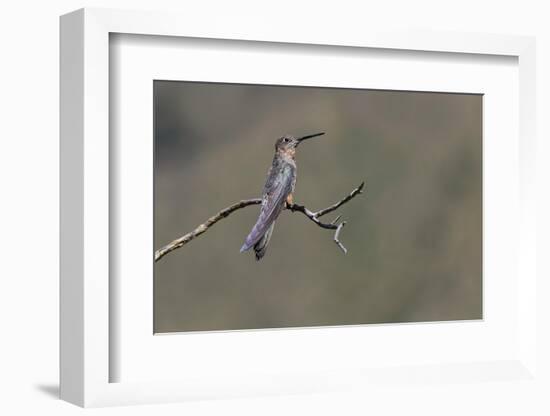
(276, 189)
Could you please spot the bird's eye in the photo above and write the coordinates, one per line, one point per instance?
(286, 140)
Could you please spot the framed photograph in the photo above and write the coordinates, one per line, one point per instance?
(273, 212)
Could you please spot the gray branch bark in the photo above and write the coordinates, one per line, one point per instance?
(334, 225)
(313, 216)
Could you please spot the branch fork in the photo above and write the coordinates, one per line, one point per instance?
(334, 225)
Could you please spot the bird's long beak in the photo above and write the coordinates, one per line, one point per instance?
(310, 136)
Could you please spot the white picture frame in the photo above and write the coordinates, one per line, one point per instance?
(86, 330)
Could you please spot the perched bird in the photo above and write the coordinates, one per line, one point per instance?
(278, 189)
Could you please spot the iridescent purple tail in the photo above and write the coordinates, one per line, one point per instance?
(257, 240)
(261, 246)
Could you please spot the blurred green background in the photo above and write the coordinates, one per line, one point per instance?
(414, 237)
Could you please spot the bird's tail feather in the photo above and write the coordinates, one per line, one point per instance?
(261, 246)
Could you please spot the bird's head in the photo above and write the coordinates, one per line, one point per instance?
(288, 144)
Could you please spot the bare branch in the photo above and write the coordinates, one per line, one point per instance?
(313, 216)
(337, 235)
(177, 243)
(353, 194)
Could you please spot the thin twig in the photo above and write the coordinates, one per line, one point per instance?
(337, 235)
(335, 220)
(313, 216)
(352, 194)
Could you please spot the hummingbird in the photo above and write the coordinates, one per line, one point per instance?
(278, 189)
